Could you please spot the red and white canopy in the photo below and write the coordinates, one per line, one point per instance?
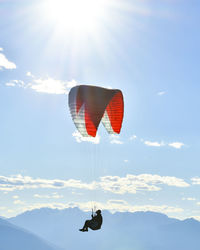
(89, 105)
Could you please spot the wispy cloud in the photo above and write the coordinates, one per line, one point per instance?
(3, 208)
(10, 84)
(5, 63)
(53, 205)
(161, 93)
(195, 180)
(79, 138)
(52, 196)
(133, 137)
(46, 85)
(51, 86)
(29, 74)
(18, 83)
(115, 139)
(114, 184)
(15, 197)
(188, 199)
(154, 143)
(123, 206)
(18, 202)
(177, 145)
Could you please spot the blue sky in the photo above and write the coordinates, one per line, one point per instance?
(147, 49)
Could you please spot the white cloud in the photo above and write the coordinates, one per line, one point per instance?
(188, 199)
(153, 143)
(177, 145)
(52, 196)
(17, 83)
(29, 74)
(3, 208)
(10, 211)
(133, 137)
(18, 202)
(161, 93)
(126, 161)
(50, 86)
(117, 202)
(114, 184)
(44, 85)
(115, 139)
(195, 180)
(134, 183)
(15, 197)
(5, 63)
(53, 205)
(77, 193)
(10, 84)
(79, 138)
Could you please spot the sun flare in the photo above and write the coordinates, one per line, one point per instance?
(75, 15)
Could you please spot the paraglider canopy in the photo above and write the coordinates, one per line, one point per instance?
(89, 105)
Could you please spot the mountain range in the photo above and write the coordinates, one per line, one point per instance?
(14, 238)
(120, 231)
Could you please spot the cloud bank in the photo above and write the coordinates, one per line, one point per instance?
(135, 183)
(113, 184)
(111, 205)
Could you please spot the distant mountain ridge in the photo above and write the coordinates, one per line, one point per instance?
(14, 238)
(120, 231)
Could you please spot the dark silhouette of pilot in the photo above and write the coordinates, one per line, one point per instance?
(94, 224)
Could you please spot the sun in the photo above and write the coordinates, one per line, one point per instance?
(74, 15)
(72, 29)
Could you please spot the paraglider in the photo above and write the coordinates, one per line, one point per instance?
(94, 224)
(89, 105)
